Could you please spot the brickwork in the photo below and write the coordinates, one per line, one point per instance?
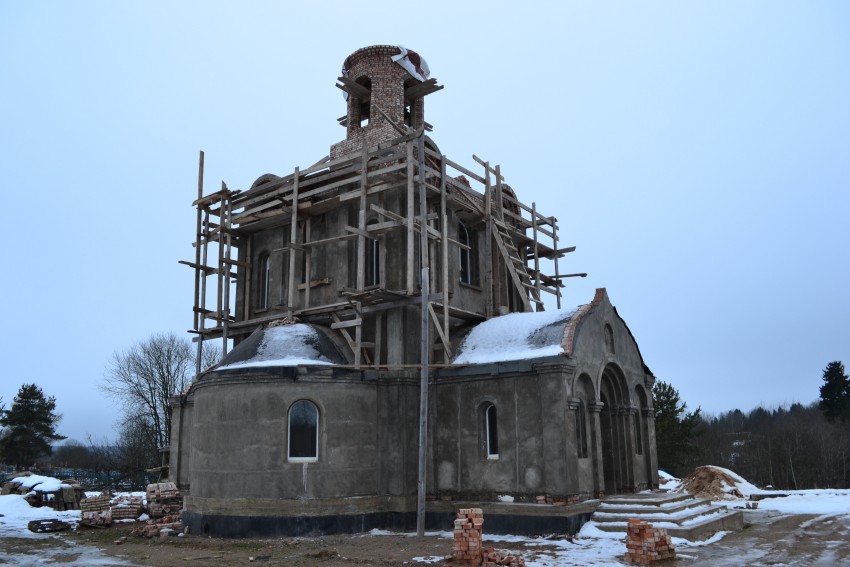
(646, 544)
(388, 80)
(468, 545)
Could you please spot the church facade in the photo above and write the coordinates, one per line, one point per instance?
(335, 283)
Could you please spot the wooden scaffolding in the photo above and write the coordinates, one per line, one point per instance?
(517, 238)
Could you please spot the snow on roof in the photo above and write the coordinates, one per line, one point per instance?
(285, 345)
(516, 336)
(40, 483)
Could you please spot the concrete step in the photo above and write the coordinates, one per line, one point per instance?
(681, 514)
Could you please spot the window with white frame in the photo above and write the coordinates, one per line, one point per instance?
(303, 439)
(491, 431)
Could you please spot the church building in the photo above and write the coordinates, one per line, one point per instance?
(383, 283)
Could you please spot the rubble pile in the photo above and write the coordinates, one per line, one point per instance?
(645, 544)
(161, 527)
(163, 499)
(468, 547)
(41, 491)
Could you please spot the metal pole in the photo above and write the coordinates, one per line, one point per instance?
(425, 354)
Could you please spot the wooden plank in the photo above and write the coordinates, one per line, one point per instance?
(411, 286)
(324, 241)
(443, 338)
(362, 235)
(422, 89)
(464, 171)
(354, 88)
(487, 167)
(293, 238)
(344, 324)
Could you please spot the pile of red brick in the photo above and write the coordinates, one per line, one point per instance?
(645, 544)
(468, 548)
(557, 500)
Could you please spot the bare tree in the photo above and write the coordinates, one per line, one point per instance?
(143, 378)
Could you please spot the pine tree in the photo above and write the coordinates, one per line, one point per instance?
(835, 393)
(675, 430)
(30, 426)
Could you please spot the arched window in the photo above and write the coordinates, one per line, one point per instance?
(264, 273)
(468, 255)
(303, 431)
(581, 430)
(609, 338)
(365, 106)
(373, 260)
(491, 431)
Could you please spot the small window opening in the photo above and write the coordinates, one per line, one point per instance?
(373, 260)
(303, 431)
(492, 430)
(264, 279)
(465, 263)
(365, 106)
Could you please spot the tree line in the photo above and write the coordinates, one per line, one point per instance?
(796, 447)
(142, 379)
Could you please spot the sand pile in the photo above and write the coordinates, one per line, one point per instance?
(716, 483)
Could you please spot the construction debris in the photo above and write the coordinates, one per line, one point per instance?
(557, 500)
(97, 519)
(41, 491)
(645, 543)
(46, 526)
(164, 499)
(468, 547)
(162, 527)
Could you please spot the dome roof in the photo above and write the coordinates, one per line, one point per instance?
(298, 344)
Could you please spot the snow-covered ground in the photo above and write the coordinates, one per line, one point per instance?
(16, 513)
(591, 546)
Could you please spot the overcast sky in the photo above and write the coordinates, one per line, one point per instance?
(696, 153)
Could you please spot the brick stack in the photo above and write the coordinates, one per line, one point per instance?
(95, 511)
(127, 508)
(163, 499)
(558, 500)
(645, 544)
(468, 547)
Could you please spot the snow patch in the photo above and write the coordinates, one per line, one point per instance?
(516, 336)
(285, 345)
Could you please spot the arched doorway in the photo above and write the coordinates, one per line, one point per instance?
(641, 424)
(616, 431)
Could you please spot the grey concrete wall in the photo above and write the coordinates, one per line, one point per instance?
(239, 437)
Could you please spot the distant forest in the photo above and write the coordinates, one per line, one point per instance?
(787, 448)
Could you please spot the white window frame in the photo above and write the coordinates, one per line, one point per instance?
(289, 456)
(495, 417)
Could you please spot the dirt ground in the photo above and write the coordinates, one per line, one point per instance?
(770, 538)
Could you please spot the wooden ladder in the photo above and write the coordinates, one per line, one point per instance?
(516, 267)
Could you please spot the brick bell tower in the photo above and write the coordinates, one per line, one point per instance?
(385, 87)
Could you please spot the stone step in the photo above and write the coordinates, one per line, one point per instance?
(675, 517)
(680, 514)
(669, 507)
(702, 528)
